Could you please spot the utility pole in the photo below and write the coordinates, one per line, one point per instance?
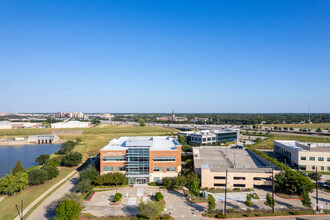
(309, 116)
(317, 192)
(225, 209)
(20, 214)
(273, 201)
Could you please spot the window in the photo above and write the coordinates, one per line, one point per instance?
(322, 167)
(158, 169)
(204, 139)
(213, 138)
(219, 184)
(209, 139)
(107, 168)
(313, 167)
(256, 178)
(156, 179)
(219, 177)
(239, 178)
(302, 158)
(321, 159)
(120, 169)
(312, 158)
(239, 185)
(328, 168)
(159, 159)
(170, 168)
(114, 158)
(302, 167)
(328, 159)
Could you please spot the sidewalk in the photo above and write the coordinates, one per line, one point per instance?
(27, 209)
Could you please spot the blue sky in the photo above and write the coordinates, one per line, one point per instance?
(155, 56)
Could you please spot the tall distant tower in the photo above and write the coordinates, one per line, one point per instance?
(309, 115)
(173, 116)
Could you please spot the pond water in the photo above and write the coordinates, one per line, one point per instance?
(9, 155)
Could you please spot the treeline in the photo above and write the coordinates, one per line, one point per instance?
(233, 118)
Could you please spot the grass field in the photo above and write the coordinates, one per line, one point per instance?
(93, 139)
(313, 126)
(268, 142)
(29, 194)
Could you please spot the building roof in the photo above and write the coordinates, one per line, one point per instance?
(304, 146)
(220, 159)
(152, 142)
(201, 132)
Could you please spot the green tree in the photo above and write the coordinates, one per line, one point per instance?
(248, 201)
(67, 147)
(151, 209)
(191, 177)
(180, 180)
(306, 201)
(194, 188)
(68, 210)
(18, 168)
(52, 172)
(182, 139)
(37, 176)
(291, 128)
(168, 181)
(319, 130)
(313, 176)
(269, 200)
(53, 162)
(211, 203)
(84, 186)
(141, 122)
(159, 196)
(42, 158)
(72, 159)
(90, 173)
(11, 183)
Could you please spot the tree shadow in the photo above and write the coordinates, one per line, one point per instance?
(130, 210)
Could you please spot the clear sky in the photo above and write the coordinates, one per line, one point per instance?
(155, 56)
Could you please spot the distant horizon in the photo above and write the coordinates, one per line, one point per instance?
(171, 112)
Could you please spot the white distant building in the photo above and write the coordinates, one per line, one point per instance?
(5, 125)
(71, 124)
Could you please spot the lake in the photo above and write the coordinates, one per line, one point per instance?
(9, 155)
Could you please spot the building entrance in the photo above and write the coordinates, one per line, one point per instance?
(141, 181)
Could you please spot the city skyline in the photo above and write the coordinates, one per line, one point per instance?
(190, 56)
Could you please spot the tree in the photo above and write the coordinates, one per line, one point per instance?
(11, 183)
(53, 162)
(313, 176)
(168, 181)
(211, 203)
(194, 188)
(37, 176)
(319, 130)
(306, 201)
(84, 186)
(141, 122)
(72, 159)
(90, 173)
(269, 200)
(182, 139)
(67, 147)
(18, 168)
(159, 196)
(42, 158)
(248, 201)
(191, 177)
(68, 209)
(151, 209)
(52, 172)
(180, 180)
(291, 128)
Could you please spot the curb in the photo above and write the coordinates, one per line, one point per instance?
(89, 198)
(274, 216)
(287, 198)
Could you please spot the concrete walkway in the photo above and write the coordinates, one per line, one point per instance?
(27, 209)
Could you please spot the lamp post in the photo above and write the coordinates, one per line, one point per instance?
(225, 209)
(317, 192)
(273, 201)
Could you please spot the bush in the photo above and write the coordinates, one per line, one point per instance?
(269, 200)
(151, 209)
(248, 201)
(42, 158)
(211, 203)
(72, 159)
(52, 172)
(153, 184)
(37, 176)
(68, 209)
(116, 198)
(53, 162)
(159, 196)
(220, 215)
(111, 179)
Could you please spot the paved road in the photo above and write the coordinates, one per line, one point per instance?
(43, 211)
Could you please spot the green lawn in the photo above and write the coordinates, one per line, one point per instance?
(29, 194)
(268, 142)
(313, 126)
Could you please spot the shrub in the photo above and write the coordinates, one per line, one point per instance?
(211, 203)
(53, 162)
(220, 215)
(52, 172)
(159, 196)
(269, 200)
(37, 176)
(152, 184)
(68, 209)
(248, 201)
(151, 209)
(42, 158)
(72, 159)
(116, 198)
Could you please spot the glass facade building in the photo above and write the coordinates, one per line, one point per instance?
(138, 165)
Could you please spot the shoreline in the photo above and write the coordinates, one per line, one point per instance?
(19, 143)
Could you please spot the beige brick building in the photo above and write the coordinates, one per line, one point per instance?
(244, 168)
(142, 159)
(305, 156)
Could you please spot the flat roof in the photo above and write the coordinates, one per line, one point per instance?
(152, 142)
(220, 159)
(297, 145)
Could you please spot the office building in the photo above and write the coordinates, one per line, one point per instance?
(142, 159)
(210, 136)
(304, 156)
(71, 124)
(245, 169)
